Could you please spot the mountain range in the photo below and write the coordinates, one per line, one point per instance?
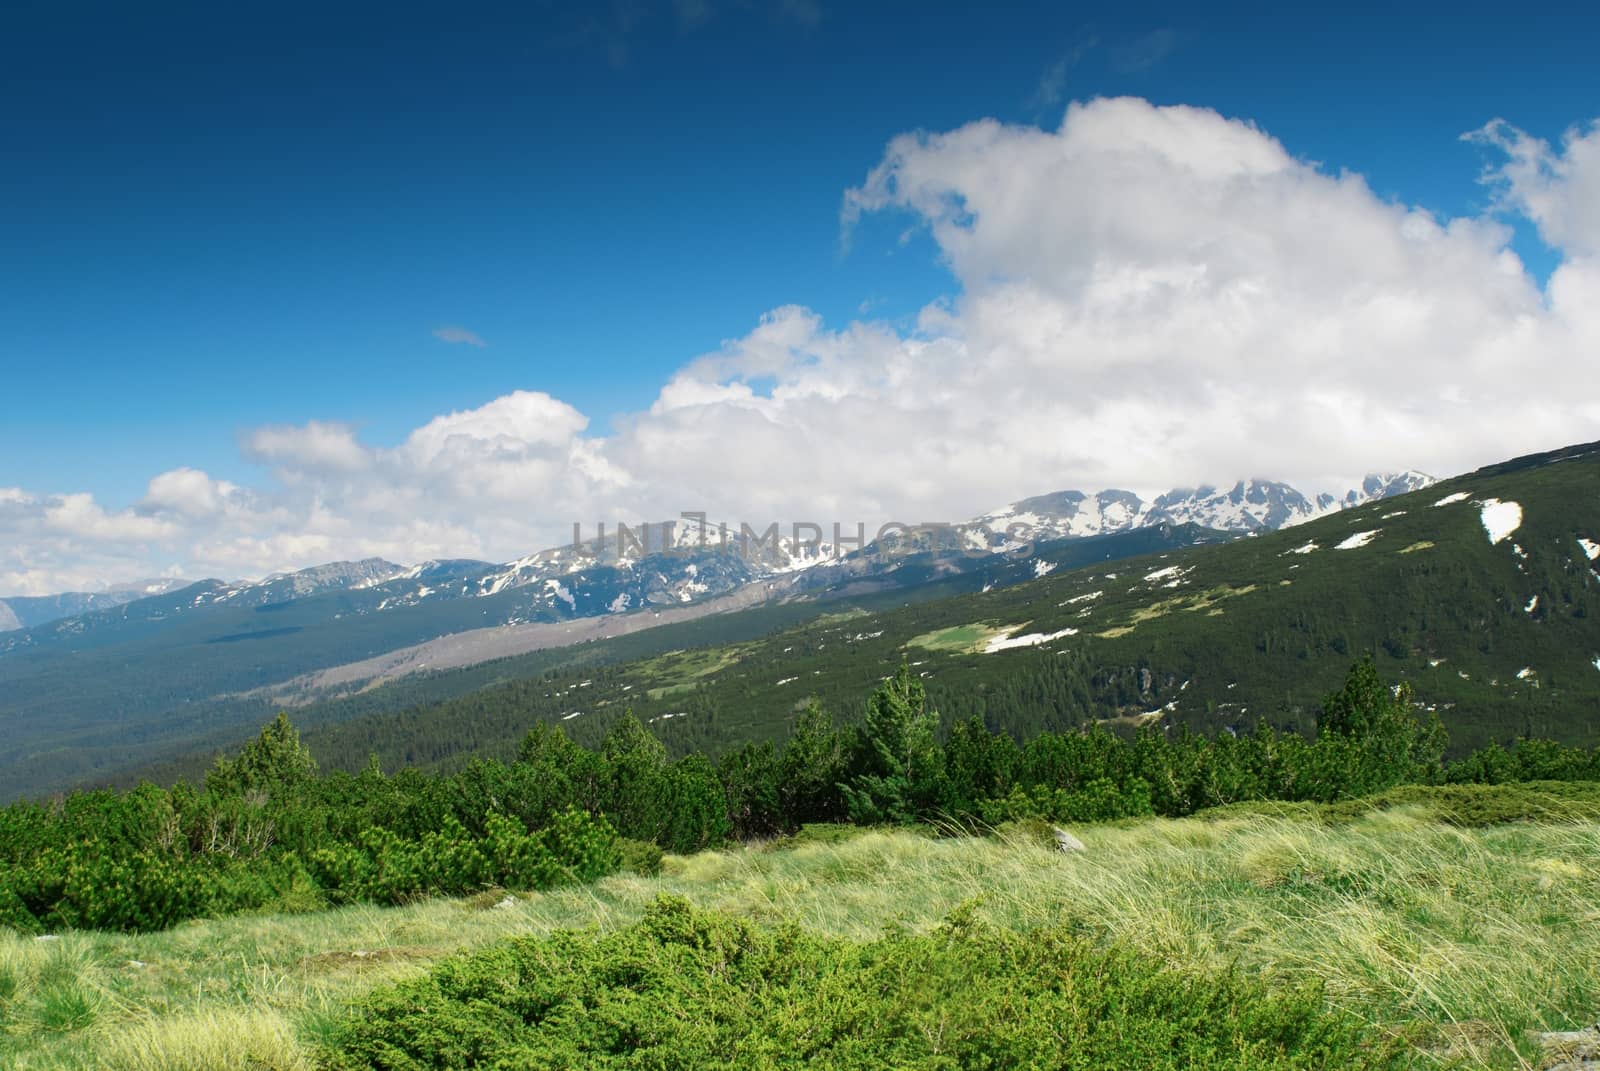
(84, 695)
(24, 611)
(1248, 506)
(672, 563)
(1482, 593)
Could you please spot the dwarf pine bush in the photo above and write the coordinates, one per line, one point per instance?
(269, 831)
(685, 988)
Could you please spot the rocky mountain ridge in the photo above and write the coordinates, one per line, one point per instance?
(658, 564)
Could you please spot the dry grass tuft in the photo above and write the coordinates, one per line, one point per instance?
(1462, 940)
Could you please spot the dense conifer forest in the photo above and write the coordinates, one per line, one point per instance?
(267, 831)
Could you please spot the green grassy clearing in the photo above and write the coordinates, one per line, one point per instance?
(963, 639)
(679, 671)
(1455, 936)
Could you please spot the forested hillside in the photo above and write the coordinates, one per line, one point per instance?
(268, 831)
(270, 837)
(1480, 592)
(157, 683)
(1493, 624)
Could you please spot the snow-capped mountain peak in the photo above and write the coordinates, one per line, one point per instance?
(626, 568)
(1248, 506)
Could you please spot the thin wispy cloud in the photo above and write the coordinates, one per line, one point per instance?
(459, 336)
(1146, 51)
(1052, 87)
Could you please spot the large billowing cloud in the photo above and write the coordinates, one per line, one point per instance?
(1145, 297)
(1558, 191)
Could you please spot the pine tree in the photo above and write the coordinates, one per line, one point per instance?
(636, 765)
(810, 768)
(899, 761)
(1372, 739)
(1361, 707)
(275, 763)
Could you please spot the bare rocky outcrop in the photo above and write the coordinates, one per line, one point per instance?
(1067, 842)
(1571, 1050)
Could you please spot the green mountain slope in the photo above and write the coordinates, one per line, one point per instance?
(155, 685)
(1500, 636)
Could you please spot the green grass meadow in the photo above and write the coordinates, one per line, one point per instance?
(1442, 926)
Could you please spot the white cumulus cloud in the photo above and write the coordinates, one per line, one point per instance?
(188, 492)
(1558, 190)
(312, 447)
(1143, 297)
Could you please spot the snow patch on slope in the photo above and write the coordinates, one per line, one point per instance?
(1031, 639)
(555, 587)
(1359, 539)
(1500, 519)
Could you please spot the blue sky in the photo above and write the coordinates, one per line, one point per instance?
(219, 216)
(223, 218)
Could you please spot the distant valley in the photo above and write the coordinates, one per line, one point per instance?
(95, 692)
(1481, 592)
